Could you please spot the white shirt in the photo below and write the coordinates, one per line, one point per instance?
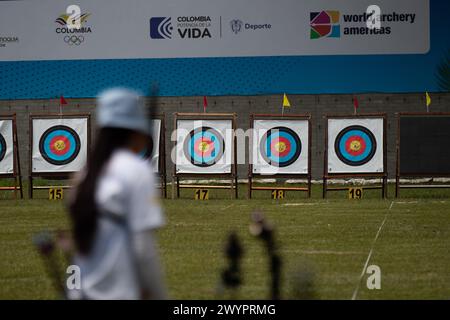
(125, 190)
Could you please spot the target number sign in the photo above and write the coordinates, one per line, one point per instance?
(201, 194)
(355, 193)
(278, 194)
(55, 193)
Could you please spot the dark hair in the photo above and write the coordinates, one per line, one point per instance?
(83, 209)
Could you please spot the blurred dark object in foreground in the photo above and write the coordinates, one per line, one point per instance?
(263, 230)
(231, 277)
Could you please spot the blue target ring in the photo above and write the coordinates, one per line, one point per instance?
(59, 145)
(355, 145)
(280, 147)
(204, 146)
(2, 147)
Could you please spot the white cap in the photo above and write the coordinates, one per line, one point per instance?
(122, 108)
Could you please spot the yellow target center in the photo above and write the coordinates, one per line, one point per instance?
(203, 146)
(355, 145)
(280, 146)
(59, 145)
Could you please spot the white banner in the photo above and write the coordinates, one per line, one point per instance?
(204, 146)
(280, 147)
(6, 147)
(59, 144)
(113, 29)
(355, 145)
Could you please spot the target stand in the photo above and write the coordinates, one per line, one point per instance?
(59, 147)
(355, 147)
(157, 154)
(423, 149)
(205, 147)
(280, 147)
(9, 154)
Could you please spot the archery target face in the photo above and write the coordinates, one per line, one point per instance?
(151, 153)
(204, 146)
(6, 147)
(280, 147)
(355, 145)
(59, 145)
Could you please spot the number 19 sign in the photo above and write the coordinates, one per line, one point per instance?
(355, 193)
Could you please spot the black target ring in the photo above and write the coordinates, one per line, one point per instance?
(66, 152)
(2, 147)
(363, 138)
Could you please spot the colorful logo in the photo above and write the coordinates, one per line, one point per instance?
(62, 19)
(325, 24)
(161, 28)
(73, 36)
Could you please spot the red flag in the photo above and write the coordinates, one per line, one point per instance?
(205, 103)
(355, 103)
(62, 101)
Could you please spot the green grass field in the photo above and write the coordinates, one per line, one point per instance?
(331, 237)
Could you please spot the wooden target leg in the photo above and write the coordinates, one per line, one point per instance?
(165, 186)
(249, 190)
(386, 188)
(309, 186)
(173, 187)
(15, 189)
(20, 186)
(236, 191)
(397, 186)
(383, 188)
(30, 187)
(232, 188)
(178, 187)
(324, 188)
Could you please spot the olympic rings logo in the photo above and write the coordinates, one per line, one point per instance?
(74, 40)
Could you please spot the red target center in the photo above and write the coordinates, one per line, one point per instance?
(355, 145)
(204, 147)
(60, 145)
(280, 147)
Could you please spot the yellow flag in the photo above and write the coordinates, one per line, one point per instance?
(286, 103)
(428, 99)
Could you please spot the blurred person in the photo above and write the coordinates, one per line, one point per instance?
(114, 208)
